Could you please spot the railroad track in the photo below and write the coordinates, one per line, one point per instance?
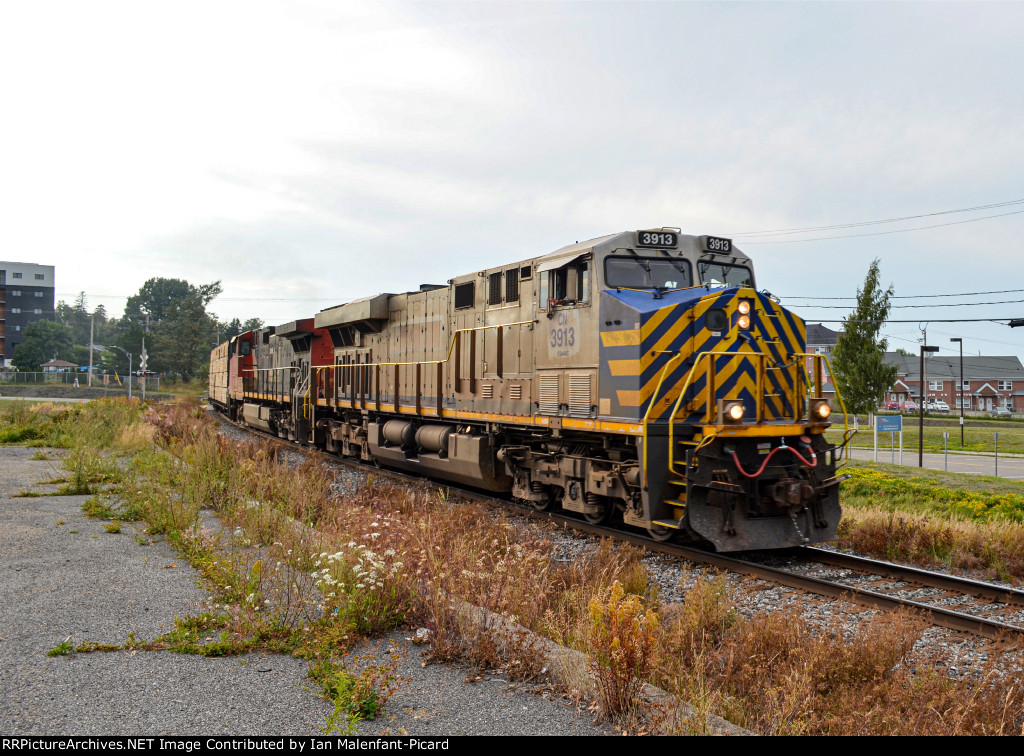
(981, 608)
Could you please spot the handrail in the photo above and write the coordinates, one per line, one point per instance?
(418, 364)
(828, 364)
(761, 358)
(708, 402)
(650, 406)
(451, 348)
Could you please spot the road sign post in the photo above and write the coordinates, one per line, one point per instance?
(891, 424)
(142, 370)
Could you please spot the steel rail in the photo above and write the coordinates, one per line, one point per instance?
(979, 588)
(939, 616)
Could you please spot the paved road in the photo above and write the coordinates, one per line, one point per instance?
(1010, 467)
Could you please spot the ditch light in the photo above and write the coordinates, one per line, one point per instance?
(819, 410)
(730, 412)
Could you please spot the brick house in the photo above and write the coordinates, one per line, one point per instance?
(989, 382)
(821, 340)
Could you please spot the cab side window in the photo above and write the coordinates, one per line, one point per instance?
(568, 285)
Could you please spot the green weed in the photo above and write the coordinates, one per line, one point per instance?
(63, 648)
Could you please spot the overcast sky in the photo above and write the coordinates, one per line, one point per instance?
(308, 153)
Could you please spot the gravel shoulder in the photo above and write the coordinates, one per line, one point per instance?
(62, 575)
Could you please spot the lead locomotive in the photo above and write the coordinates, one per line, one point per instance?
(638, 377)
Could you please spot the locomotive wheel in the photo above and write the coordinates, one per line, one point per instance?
(544, 504)
(541, 506)
(660, 533)
(600, 518)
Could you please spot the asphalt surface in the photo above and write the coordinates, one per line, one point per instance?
(1010, 467)
(62, 576)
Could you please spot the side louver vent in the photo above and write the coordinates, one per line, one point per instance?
(515, 391)
(549, 394)
(486, 391)
(579, 395)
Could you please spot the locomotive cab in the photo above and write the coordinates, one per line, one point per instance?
(732, 451)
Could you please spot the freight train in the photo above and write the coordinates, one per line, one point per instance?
(639, 378)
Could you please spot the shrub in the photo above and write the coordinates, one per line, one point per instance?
(621, 648)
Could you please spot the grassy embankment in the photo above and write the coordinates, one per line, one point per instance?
(931, 517)
(979, 435)
(301, 569)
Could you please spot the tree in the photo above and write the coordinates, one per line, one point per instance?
(858, 359)
(45, 340)
(182, 342)
(235, 326)
(171, 315)
(159, 297)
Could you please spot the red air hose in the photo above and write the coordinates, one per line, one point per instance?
(812, 463)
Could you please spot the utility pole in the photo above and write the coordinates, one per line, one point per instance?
(142, 367)
(960, 393)
(920, 409)
(92, 323)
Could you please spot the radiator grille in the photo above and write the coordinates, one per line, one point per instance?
(579, 395)
(549, 394)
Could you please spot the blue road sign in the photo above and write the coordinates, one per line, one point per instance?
(889, 423)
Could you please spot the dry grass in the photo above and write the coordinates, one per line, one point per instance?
(776, 674)
(300, 569)
(929, 518)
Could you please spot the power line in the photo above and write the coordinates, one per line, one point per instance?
(918, 296)
(217, 299)
(776, 232)
(906, 307)
(999, 321)
(884, 233)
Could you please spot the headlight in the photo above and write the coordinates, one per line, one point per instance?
(730, 411)
(743, 322)
(820, 409)
(744, 307)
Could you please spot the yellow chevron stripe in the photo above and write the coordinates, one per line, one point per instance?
(629, 368)
(657, 319)
(620, 338)
(628, 398)
(686, 348)
(746, 381)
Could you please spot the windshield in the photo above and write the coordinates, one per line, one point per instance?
(646, 273)
(724, 274)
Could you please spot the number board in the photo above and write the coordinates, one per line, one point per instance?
(656, 239)
(716, 244)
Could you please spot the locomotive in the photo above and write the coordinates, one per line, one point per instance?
(639, 377)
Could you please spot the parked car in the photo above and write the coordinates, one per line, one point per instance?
(937, 406)
(908, 407)
(1000, 412)
(892, 406)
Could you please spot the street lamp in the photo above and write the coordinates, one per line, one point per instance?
(960, 392)
(920, 408)
(101, 348)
